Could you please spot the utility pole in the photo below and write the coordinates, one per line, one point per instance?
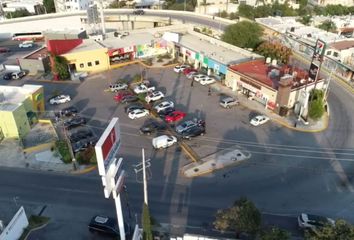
(102, 19)
(144, 177)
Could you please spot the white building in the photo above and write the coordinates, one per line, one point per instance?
(342, 51)
(75, 5)
(323, 3)
(32, 6)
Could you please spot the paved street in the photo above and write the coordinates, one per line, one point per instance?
(289, 172)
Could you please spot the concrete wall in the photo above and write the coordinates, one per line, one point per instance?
(17, 225)
(34, 66)
(14, 124)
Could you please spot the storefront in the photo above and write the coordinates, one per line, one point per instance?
(121, 55)
(153, 49)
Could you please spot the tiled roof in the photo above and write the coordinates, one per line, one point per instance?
(342, 45)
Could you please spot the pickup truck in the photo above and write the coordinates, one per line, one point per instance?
(142, 88)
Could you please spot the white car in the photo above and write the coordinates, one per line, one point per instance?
(191, 75)
(180, 68)
(142, 88)
(138, 113)
(163, 141)
(164, 105)
(207, 81)
(199, 77)
(259, 120)
(60, 99)
(154, 96)
(310, 221)
(26, 44)
(118, 86)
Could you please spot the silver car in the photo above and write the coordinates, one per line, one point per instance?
(229, 102)
(185, 126)
(118, 86)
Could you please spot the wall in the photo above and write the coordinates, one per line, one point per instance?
(231, 80)
(14, 124)
(37, 100)
(34, 66)
(92, 56)
(16, 226)
(21, 121)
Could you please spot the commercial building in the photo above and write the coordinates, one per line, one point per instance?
(323, 3)
(71, 5)
(275, 87)
(19, 109)
(32, 6)
(36, 62)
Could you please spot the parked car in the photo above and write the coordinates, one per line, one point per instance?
(313, 222)
(185, 126)
(191, 75)
(180, 68)
(163, 141)
(80, 135)
(162, 106)
(7, 76)
(199, 77)
(74, 122)
(18, 74)
(138, 113)
(120, 95)
(104, 225)
(154, 96)
(69, 111)
(133, 106)
(207, 81)
(259, 120)
(189, 70)
(60, 99)
(129, 98)
(165, 112)
(26, 44)
(151, 127)
(229, 102)
(142, 88)
(83, 144)
(175, 116)
(118, 86)
(139, 12)
(4, 50)
(193, 132)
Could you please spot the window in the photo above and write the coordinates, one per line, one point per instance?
(335, 54)
(81, 65)
(97, 62)
(89, 64)
(329, 53)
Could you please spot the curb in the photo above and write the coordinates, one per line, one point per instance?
(167, 66)
(84, 171)
(53, 81)
(35, 229)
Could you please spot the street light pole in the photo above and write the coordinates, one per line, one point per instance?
(144, 179)
(184, 5)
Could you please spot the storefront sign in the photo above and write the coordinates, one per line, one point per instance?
(313, 71)
(250, 84)
(128, 49)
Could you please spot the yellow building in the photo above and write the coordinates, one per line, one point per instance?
(19, 109)
(90, 56)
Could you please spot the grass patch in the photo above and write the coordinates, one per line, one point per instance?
(34, 222)
(63, 149)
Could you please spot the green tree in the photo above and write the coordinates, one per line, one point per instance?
(263, 11)
(306, 19)
(49, 6)
(146, 222)
(61, 67)
(328, 26)
(274, 50)
(18, 13)
(243, 216)
(118, 4)
(275, 233)
(246, 11)
(338, 10)
(341, 231)
(243, 34)
(316, 105)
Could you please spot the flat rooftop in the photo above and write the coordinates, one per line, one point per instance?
(11, 97)
(132, 39)
(216, 52)
(86, 45)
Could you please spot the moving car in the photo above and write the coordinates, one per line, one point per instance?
(26, 44)
(154, 96)
(69, 111)
(229, 102)
(313, 222)
(259, 120)
(163, 141)
(7, 76)
(142, 88)
(134, 106)
(74, 122)
(164, 105)
(151, 127)
(185, 126)
(139, 12)
(80, 135)
(180, 68)
(138, 113)
(193, 132)
(199, 77)
(104, 225)
(129, 98)
(207, 81)
(118, 86)
(18, 74)
(174, 116)
(119, 96)
(60, 99)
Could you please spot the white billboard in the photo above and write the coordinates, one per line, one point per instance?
(107, 146)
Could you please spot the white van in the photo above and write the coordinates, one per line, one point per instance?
(26, 44)
(163, 141)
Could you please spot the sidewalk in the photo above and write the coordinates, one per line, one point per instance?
(290, 121)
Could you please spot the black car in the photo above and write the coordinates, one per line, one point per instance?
(80, 135)
(132, 107)
(166, 111)
(7, 76)
(193, 132)
(152, 127)
(69, 111)
(107, 226)
(129, 98)
(139, 12)
(83, 144)
(74, 122)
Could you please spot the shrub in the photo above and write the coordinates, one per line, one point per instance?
(85, 157)
(63, 149)
(148, 61)
(173, 61)
(160, 60)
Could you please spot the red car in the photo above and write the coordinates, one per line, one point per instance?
(119, 96)
(189, 70)
(4, 50)
(175, 116)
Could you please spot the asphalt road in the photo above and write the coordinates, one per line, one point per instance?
(289, 172)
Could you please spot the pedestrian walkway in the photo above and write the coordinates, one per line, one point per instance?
(291, 121)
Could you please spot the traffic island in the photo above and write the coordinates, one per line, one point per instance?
(219, 160)
(35, 223)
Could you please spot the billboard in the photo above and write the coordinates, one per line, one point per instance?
(313, 71)
(107, 146)
(319, 50)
